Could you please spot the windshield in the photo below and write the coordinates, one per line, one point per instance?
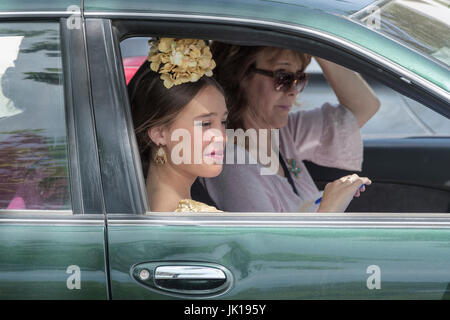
(420, 24)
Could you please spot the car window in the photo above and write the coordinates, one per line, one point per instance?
(134, 52)
(33, 142)
(419, 24)
(398, 117)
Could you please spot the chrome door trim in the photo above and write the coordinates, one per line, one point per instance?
(37, 14)
(51, 218)
(27, 212)
(399, 70)
(285, 220)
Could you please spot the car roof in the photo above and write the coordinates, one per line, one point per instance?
(340, 7)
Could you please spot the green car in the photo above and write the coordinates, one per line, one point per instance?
(74, 217)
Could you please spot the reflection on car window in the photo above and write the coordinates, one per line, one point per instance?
(33, 145)
(398, 116)
(419, 24)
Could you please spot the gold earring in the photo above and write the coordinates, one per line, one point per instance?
(160, 156)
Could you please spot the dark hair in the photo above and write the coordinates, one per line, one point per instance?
(153, 105)
(233, 63)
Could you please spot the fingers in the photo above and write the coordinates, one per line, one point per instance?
(347, 179)
(362, 188)
(366, 181)
(338, 194)
(352, 179)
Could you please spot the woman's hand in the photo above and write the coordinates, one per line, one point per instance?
(338, 194)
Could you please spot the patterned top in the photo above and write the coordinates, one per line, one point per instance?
(328, 136)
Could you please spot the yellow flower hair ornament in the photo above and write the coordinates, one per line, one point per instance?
(180, 60)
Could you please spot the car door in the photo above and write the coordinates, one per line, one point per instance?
(242, 255)
(52, 226)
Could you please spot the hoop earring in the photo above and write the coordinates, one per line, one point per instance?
(160, 156)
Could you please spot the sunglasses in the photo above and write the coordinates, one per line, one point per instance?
(284, 80)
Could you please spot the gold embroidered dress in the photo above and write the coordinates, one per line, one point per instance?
(188, 205)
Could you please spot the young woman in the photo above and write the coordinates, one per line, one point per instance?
(179, 115)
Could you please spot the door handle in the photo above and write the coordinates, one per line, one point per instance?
(190, 279)
(189, 272)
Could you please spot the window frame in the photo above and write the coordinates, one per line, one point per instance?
(82, 162)
(112, 119)
(118, 27)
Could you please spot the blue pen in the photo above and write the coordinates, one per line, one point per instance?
(320, 199)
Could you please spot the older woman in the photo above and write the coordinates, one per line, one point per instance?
(262, 84)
